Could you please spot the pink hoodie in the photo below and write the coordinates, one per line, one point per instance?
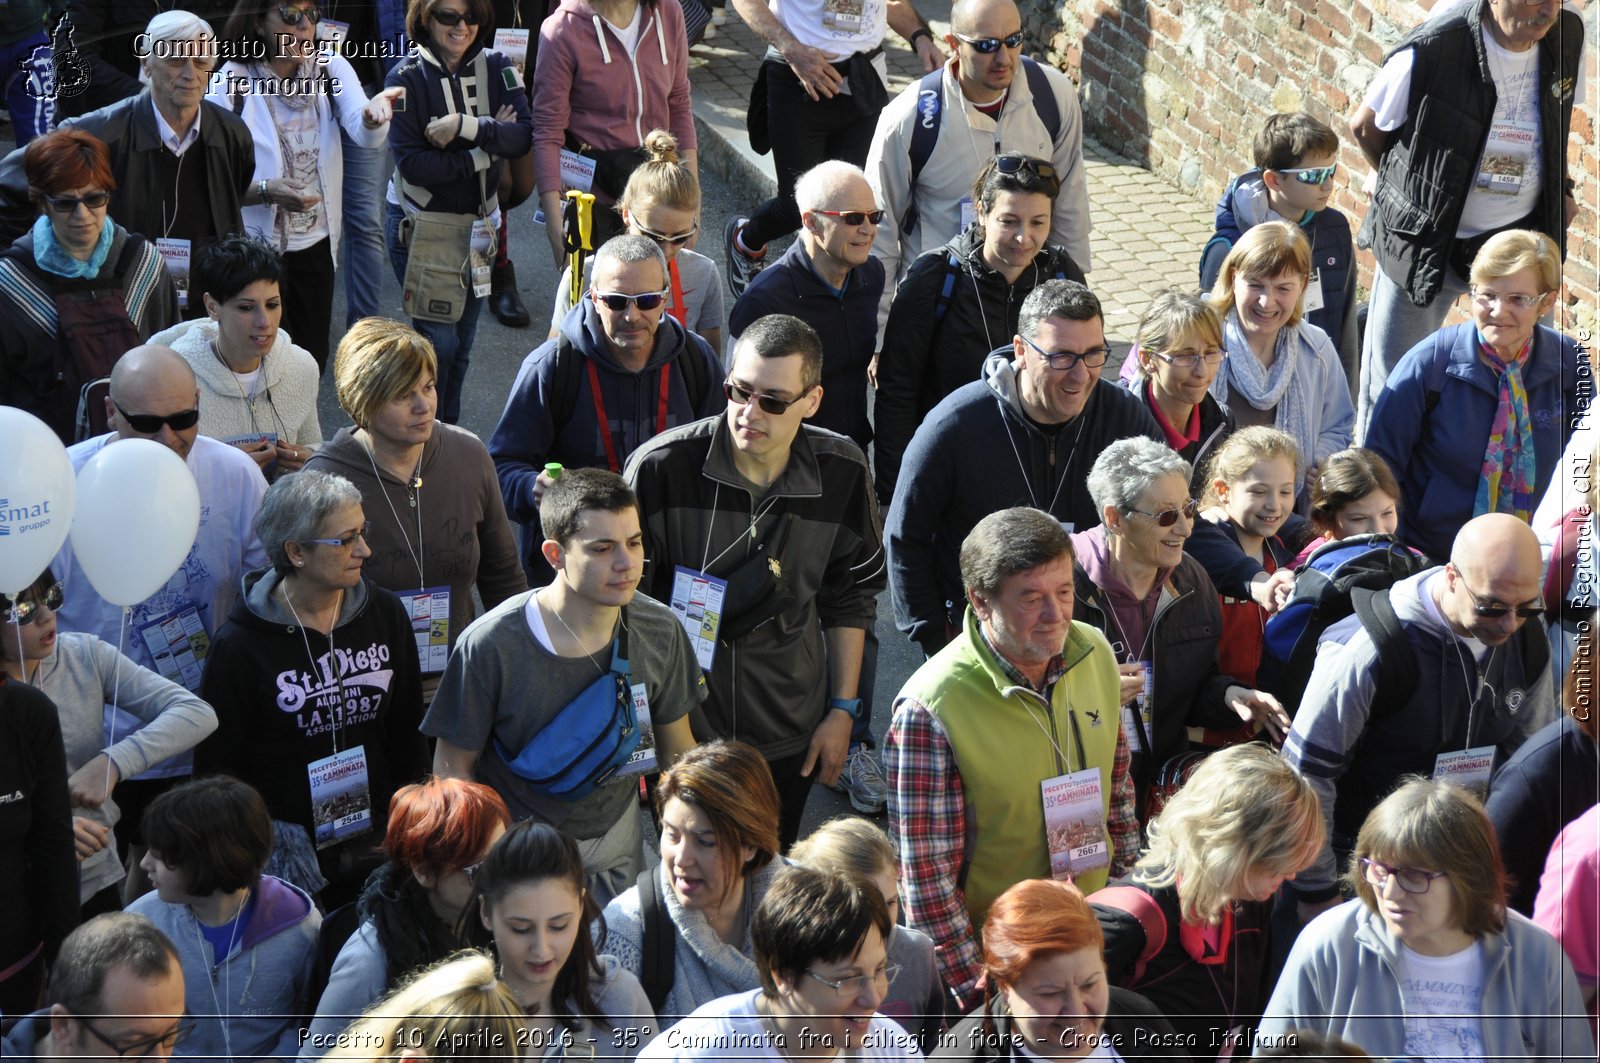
(585, 81)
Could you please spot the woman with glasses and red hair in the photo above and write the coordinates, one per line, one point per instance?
(75, 268)
(1428, 962)
(412, 907)
(960, 301)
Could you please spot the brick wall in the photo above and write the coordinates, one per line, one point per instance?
(1182, 86)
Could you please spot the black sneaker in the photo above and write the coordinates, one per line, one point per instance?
(742, 266)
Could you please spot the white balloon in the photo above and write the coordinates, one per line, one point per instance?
(37, 492)
(138, 512)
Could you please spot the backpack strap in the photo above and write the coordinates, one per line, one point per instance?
(1397, 665)
(1437, 365)
(924, 134)
(656, 972)
(1152, 920)
(565, 383)
(1044, 98)
(696, 383)
(952, 271)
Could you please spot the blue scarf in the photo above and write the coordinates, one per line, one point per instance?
(53, 258)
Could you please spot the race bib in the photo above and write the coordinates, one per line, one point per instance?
(697, 599)
(1075, 824)
(429, 611)
(341, 796)
(643, 761)
(178, 645)
(1466, 768)
(482, 257)
(175, 253)
(1313, 298)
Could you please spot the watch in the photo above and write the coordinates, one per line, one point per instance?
(848, 705)
(261, 191)
(920, 31)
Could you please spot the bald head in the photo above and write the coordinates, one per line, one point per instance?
(828, 184)
(1496, 546)
(985, 75)
(149, 384)
(967, 17)
(1494, 570)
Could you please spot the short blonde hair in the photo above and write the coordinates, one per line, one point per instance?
(848, 845)
(1515, 250)
(1243, 809)
(1172, 317)
(378, 361)
(1266, 251)
(455, 1007)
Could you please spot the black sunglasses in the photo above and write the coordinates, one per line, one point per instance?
(618, 301)
(455, 18)
(1168, 517)
(1015, 164)
(854, 217)
(22, 612)
(293, 16)
(740, 395)
(990, 45)
(1495, 610)
(148, 424)
(69, 204)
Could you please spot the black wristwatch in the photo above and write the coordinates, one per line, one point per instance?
(920, 31)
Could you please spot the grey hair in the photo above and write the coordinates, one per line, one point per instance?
(1057, 298)
(1126, 469)
(294, 508)
(178, 25)
(631, 248)
(812, 188)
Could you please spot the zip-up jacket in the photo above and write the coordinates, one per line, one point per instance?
(977, 452)
(586, 85)
(950, 312)
(1352, 747)
(285, 394)
(817, 528)
(528, 435)
(1430, 162)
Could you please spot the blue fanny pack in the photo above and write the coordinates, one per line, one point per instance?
(588, 740)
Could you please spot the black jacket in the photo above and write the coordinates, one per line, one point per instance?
(129, 129)
(39, 880)
(1429, 163)
(949, 312)
(1216, 425)
(1132, 1026)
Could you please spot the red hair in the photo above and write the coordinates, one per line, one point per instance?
(64, 160)
(440, 824)
(1032, 919)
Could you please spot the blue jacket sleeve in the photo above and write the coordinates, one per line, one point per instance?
(1229, 567)
(1400, 416)
(522, 440)
(917, 510)
(484, 138)
(1338, 420)
(713, 400)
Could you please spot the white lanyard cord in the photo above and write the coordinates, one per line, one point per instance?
(418, 554)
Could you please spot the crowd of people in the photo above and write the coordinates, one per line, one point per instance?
(1255, 712)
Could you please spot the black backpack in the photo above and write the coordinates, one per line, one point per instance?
(660, 944)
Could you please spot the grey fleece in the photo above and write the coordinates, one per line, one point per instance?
(82, 675)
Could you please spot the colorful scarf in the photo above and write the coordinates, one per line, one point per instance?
(1506, 485)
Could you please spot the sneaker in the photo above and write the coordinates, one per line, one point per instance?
(862, 781)
(742, 266)
(709, 32)
(719, 14)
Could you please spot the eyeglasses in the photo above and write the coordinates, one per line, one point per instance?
(1411, 880)
(1093, 358)
(455, 18)
(855, 985)
(293, 16)
(740, 395)
(1210, 356)
(1014, 164)
(665, 240)
(1313, 175)
(1495, 610)
(139, 1049)
(148, 424)
(22, 612)
(855, 217)
(69, 204)
(1486, 298)
(1168, 517)
(348, 540)
(990, 45)
(471, 871)
(618, 301)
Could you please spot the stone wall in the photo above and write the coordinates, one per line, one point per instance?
(1182, 86)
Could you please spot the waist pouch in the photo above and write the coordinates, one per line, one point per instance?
(612, 166)
(587, 741)
(757, 590)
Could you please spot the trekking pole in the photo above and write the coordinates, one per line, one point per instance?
(577, 228)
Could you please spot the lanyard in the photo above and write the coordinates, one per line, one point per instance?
(677, 309)
(612, 460)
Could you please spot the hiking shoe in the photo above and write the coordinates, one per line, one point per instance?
(862, 781)
(742, 266)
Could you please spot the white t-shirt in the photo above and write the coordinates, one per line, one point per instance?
(1443, 999)
(630, 33)
(730, 1028)
(839, 28)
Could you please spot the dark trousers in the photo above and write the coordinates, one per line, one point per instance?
(308, 298)
(805, 132)
(793, 790)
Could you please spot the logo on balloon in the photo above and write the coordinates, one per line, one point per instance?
(23, 518)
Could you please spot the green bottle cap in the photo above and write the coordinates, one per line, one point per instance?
(552, 469)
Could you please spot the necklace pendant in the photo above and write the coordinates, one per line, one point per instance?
(411, 497)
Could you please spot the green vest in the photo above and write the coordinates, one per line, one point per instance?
(998, 736)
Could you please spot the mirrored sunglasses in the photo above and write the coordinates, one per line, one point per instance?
(618, 301)
(990, 45)
(1313, 175)
(22, 613)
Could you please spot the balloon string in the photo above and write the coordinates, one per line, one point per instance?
(116, 683)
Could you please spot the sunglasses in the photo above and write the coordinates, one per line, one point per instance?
(1014, 164)
(23, 613)
(69, 204)
(1168, 517)
(294, 16)
(1093, 358)
(740, 395)
(990, 45)
(663, 239)
(854, 217)
(1495, 610)
(1313, 175)
(455, 18)
(1411, 880)
(618, 301)
(148, 424)
(348, 540)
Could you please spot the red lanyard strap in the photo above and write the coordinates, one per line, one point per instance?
(604, 423)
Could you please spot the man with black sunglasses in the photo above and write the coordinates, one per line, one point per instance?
(1479, 663)
(933, 139)
(620, 370)
(116, 993)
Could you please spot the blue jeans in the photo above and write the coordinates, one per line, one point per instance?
(452, 344)
(362, 251)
